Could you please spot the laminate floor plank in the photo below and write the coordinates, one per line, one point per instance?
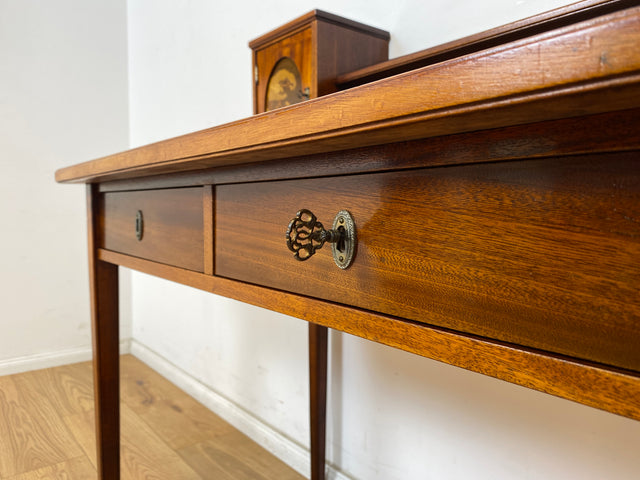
(47, 430)
(145, 455)
(77, 468)
(69, 388)
(236, 457)
(163, 405)
(32, 434)
(82, 426)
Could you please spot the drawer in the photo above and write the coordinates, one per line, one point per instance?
(540, 253)
(172, 225)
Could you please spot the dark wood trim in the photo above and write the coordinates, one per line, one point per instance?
(317, 398)
(106, 361)
(208, 223)
(544, 22)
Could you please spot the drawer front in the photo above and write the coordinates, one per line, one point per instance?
(541, 253)
(172, 225)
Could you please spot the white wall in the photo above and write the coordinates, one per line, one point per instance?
(63, 99)
(392, 415)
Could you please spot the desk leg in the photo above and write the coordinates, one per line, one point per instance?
(318, 397)
(106, 361)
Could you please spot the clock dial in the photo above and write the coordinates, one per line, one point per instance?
(284, 86)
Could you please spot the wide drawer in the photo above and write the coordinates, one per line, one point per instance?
(540, 253)
(170, 223)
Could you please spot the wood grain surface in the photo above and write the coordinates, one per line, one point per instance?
(76, 468)
(340, 50)
(105, 335)
(542, 253)
(607, 132)
(299, 48)
(47, 430)
(304, 20)
(318, 342)
(323, 46)
(173, 225)
(587, 68)
(208, 228)
(543, 22)
(615, 390)
(32, 435)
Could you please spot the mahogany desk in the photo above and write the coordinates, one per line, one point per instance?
(496, 199)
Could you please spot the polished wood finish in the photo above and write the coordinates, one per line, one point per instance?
(543, 22)
(317, 397)
(208, 228)
(546, 77)
(340, 50)
(608, 132)
(172, 231)
(307, 19)
(528, 252)
(496, 198)
(106, 348)
(323, 46)
(599, 386)
(296, 46)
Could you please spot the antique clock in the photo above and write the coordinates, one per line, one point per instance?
(302, 59)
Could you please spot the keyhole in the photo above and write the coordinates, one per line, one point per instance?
(139, 225)
(341, 244)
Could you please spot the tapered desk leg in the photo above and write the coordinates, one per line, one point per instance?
(318, 397)
(106, 362)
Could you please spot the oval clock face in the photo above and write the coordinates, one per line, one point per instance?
(284, 86)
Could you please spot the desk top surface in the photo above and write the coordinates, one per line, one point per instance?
(589, 67)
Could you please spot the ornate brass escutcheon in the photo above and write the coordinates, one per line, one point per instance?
(305, 235)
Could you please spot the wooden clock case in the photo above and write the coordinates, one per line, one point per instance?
(323, 46)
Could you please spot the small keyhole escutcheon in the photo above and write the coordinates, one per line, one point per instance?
(139, 225)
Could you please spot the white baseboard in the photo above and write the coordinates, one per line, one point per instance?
(290, 452)
(39, 361)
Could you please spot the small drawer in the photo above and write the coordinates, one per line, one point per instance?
(539, 253)
(164, 226)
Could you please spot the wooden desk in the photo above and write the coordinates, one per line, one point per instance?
(496, 198)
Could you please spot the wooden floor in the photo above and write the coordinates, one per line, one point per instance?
(47, 430)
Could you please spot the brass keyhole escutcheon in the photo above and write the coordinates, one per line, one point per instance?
(345, 248)
(305, 235)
